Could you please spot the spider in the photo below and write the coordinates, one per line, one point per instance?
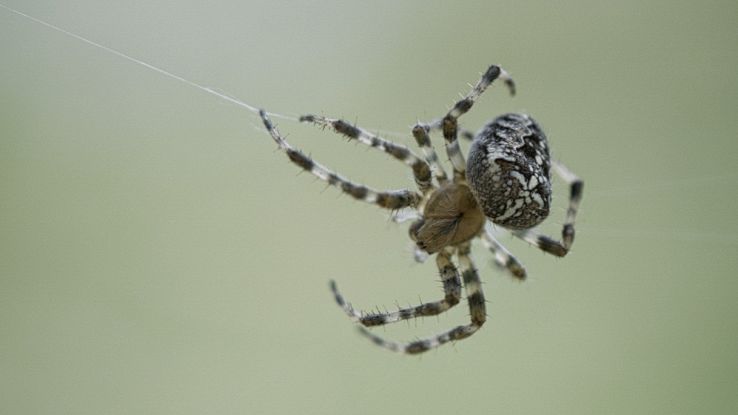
(505, 182)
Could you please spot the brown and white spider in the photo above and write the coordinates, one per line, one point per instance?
(506, 181)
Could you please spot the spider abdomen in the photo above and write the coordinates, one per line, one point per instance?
(508, 171)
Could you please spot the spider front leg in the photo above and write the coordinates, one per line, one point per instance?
(393, 199)
(477, 311)
(449, 123)
(421, 169)
(548, 244)
(451, 288)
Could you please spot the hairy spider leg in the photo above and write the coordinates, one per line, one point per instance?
(393, 199)
(451, 288)
(465, 133)
(449, 123)
(477, 310)
(421, 169)
(546, 243)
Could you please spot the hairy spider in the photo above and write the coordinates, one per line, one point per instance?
(506, 181)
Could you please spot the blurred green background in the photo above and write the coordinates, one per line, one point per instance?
(158, 255)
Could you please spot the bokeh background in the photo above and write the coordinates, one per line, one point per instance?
(158, 255)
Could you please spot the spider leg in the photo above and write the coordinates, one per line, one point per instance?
(393, 199)
(421, 169)
(451, 287)
(420, 132)
(465, 133)
(548, 244)
(503, 257)
(477, 309)
(449, 123)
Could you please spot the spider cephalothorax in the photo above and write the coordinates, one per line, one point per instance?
(506, 182)
(450, 216)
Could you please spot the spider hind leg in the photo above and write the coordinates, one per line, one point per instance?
(502, 257)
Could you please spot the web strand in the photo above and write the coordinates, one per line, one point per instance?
(164, 72)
